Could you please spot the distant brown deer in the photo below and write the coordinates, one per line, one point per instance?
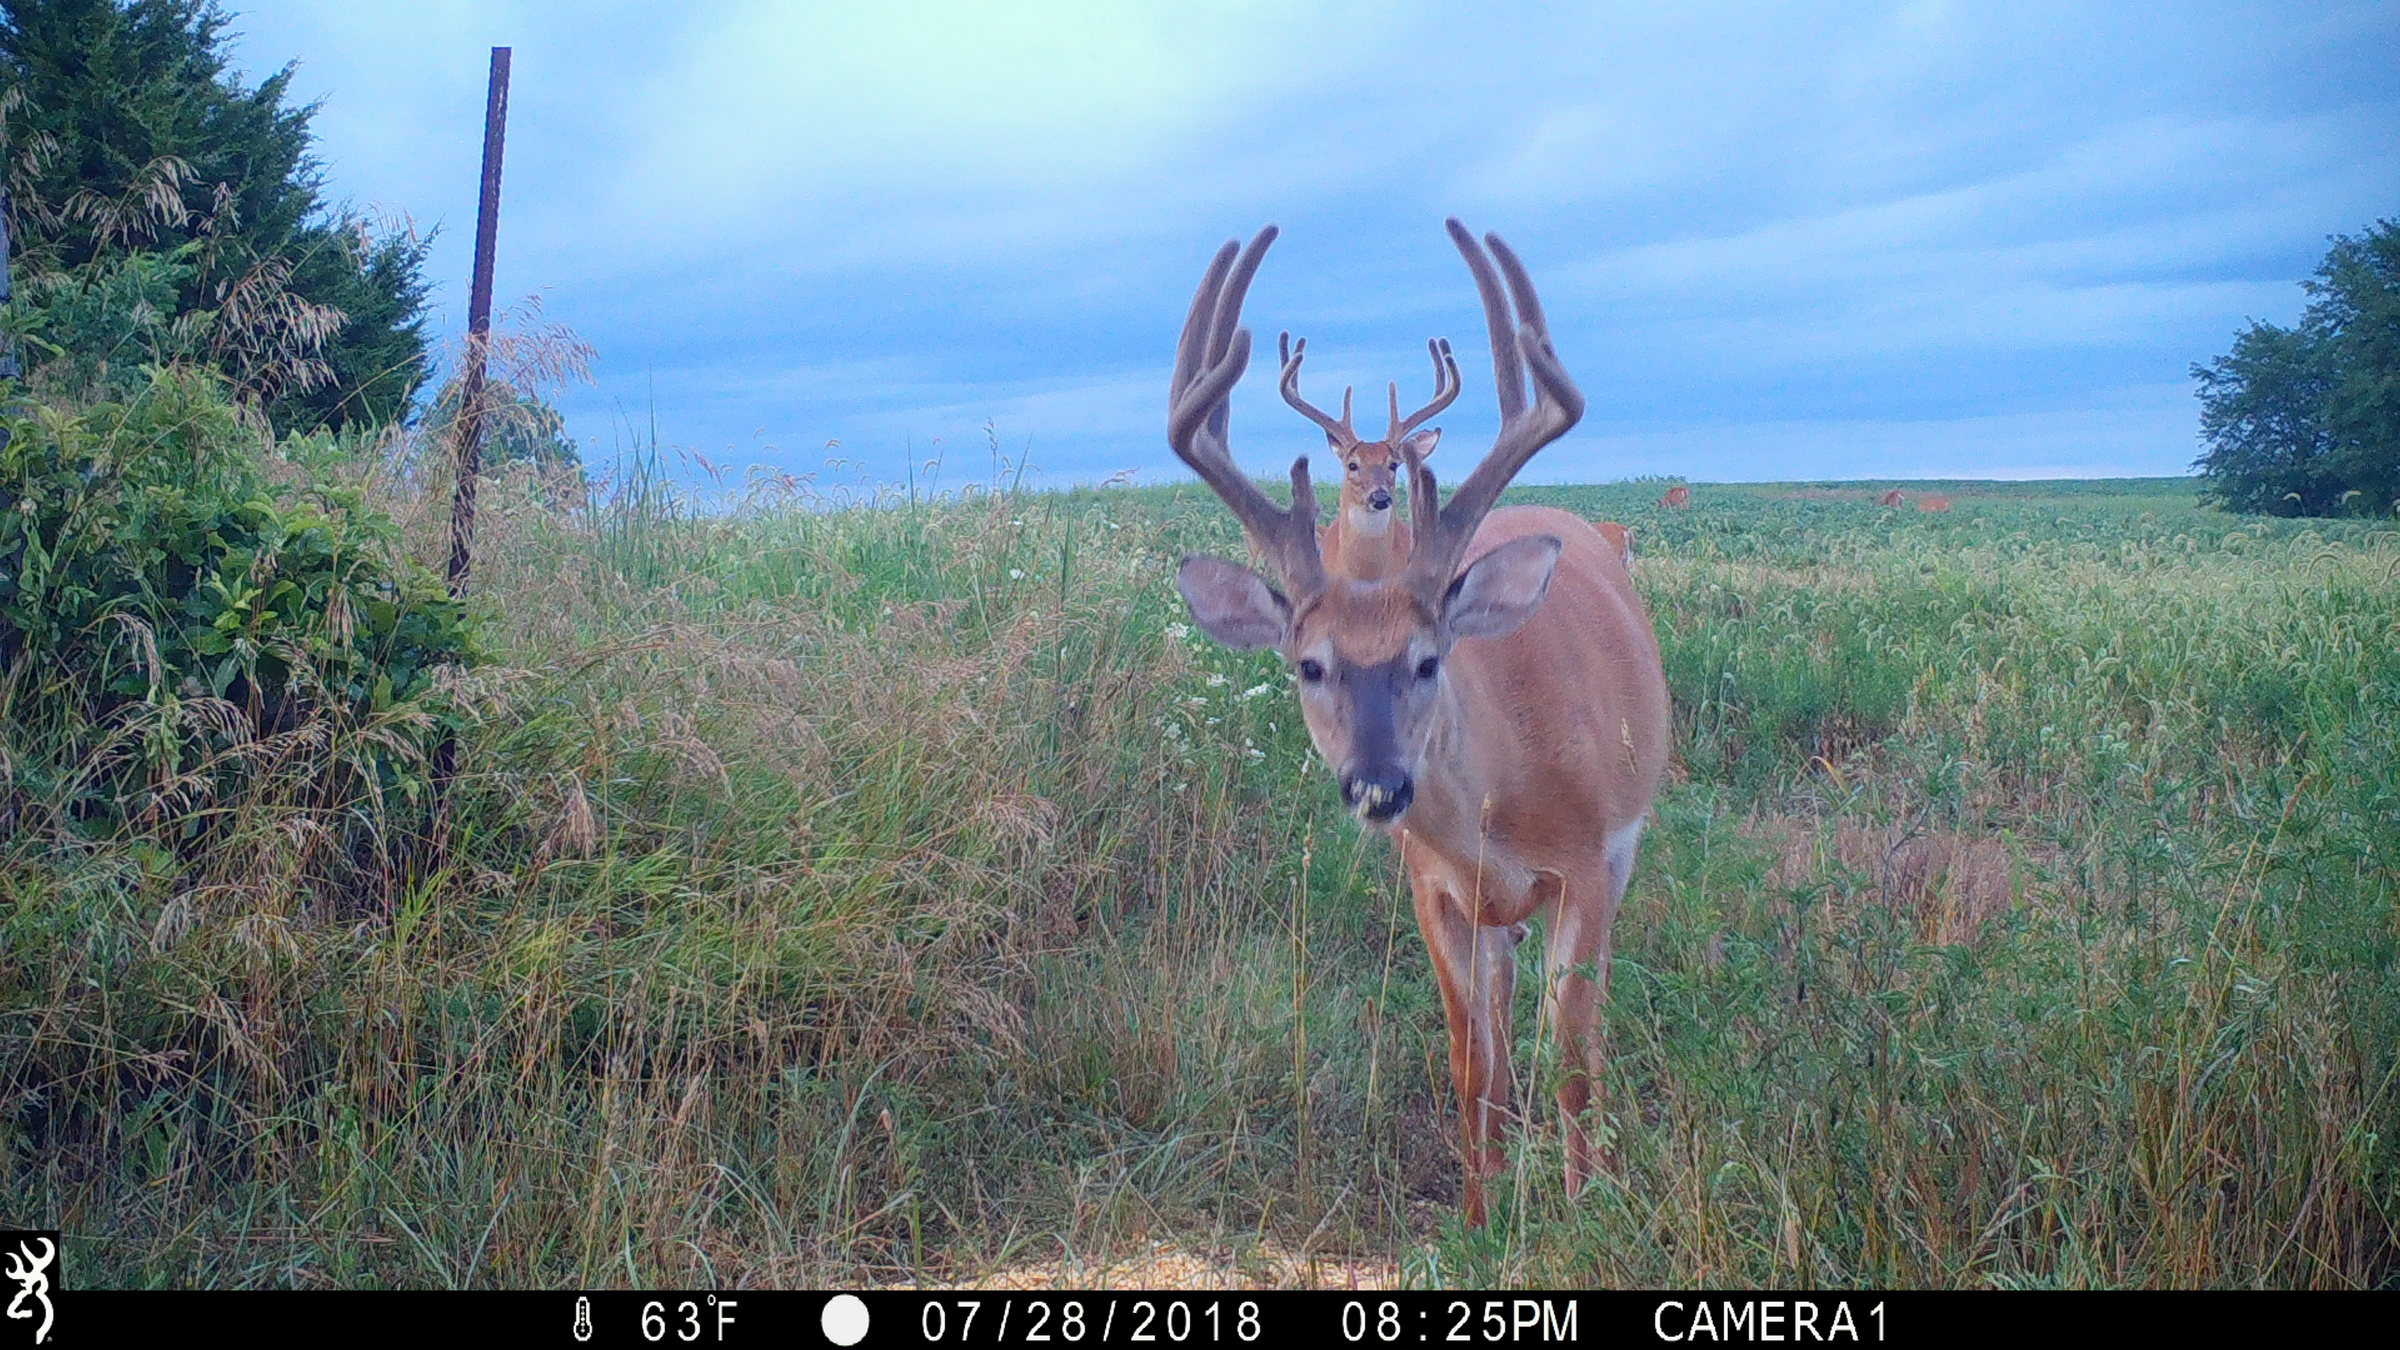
(1677, 496)
(1618, 537)
(1891, 498)
(1367, 540)
(1933, 503)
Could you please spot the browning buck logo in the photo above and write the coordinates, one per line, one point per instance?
(32, 1274)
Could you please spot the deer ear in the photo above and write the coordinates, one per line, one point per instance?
(1500, 590)
(1233, 604)
(1419, 445)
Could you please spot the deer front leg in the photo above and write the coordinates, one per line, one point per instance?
(1476, 969)
(1575, 989)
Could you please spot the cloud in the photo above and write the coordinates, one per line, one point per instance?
(2137, 431)
(1767, 237)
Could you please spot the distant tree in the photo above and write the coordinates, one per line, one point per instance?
(2306, 420)
(127, 132)
(2358, 301)
(2262, 415)
(518, 428)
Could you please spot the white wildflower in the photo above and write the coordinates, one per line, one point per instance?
(1178, 632)
(1016, 574)
(1258, 691)
(1218, 681)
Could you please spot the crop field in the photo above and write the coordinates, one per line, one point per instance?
(906, 893)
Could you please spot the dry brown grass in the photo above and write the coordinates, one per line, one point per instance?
(1944, 883)
(1162, 1266)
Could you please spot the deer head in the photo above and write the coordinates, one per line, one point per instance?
(1369, 654)
(1371, 469)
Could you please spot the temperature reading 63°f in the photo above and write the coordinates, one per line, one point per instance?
(688, 1320)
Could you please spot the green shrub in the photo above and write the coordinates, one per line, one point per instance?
(166, 611)
(94, 332)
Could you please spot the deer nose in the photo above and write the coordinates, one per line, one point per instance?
(1380, 499)
(1379, 795)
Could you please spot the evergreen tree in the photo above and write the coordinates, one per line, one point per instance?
(129, 132)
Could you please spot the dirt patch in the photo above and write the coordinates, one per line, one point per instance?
(1165, 1267)
(1950, 883)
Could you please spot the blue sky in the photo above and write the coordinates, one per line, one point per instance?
(1918, 240)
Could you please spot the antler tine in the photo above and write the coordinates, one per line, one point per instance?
(1445, 391)
(1289, 386)
(1557, 403)
(1196, 322)
(1424, 506)
(1210, 357)
(1507, 373)
(1555, 407)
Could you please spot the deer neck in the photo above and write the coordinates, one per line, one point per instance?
(1451, 782)
(1456, 822)
(1365, 544)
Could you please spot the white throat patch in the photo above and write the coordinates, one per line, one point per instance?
(1367, 520)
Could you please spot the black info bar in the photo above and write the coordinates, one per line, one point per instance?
(1060, 1319)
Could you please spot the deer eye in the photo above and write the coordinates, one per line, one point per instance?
(1354, 466)
(1311, 672)
(1427, 667)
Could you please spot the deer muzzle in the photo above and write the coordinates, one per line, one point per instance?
(1380, 795)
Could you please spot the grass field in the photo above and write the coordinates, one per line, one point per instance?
(909, 894)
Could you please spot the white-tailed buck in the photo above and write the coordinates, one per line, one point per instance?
(1367, 541)
(1618, 537)
(1496, 706)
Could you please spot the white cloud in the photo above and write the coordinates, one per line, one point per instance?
(893, 222)
(2141, 431)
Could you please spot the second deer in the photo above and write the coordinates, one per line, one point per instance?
(1367, 540)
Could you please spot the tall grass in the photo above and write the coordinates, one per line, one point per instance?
(901, 890)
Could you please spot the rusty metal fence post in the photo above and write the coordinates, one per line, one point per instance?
(469, 424)
(479, 328)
